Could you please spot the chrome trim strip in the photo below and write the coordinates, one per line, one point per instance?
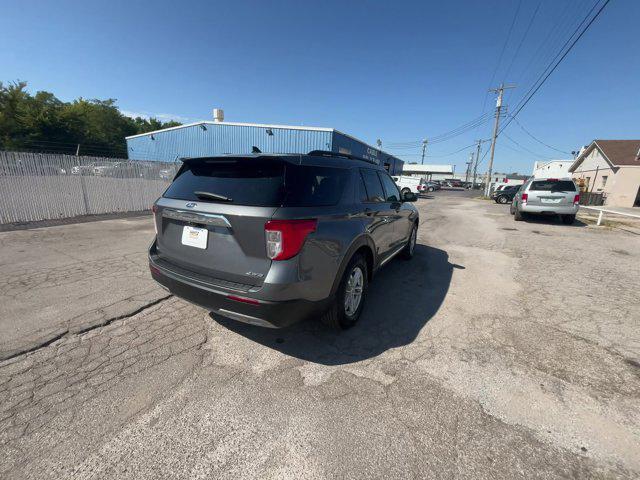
(398, 250)
(240, 317)
(206, 218)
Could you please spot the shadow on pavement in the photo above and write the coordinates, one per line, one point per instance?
(402, 298)
(551, 220)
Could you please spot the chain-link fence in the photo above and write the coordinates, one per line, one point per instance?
(36, 186)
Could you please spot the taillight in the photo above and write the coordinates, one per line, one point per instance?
(576, 199)
(286, 237)
(525, 197)
(154, 209)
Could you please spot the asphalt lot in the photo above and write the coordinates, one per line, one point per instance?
(502, 350)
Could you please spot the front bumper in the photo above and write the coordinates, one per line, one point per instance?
(550, 210)
(243, 306)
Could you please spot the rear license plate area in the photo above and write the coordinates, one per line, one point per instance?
(195, 237)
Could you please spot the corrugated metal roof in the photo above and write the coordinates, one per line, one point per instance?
(217, 138)
(237, 124)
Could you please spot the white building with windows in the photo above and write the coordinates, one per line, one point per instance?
(552, 169)
(429, 172)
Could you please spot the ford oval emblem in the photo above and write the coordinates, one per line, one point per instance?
(191, 205)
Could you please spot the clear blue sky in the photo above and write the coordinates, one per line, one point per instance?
(398, 71)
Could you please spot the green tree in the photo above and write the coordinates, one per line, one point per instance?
(42, 122)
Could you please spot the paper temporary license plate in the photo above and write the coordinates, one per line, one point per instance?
(551, 200)
(195, 237)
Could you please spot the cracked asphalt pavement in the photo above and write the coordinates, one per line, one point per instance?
(502, 350)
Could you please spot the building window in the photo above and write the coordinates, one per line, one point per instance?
(587, 181)
(604, 180)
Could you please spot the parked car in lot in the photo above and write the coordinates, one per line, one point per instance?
(547, 196)
(90, 169)
(506, 194)
(167, 173)
(272, 239)
(432, 186)
(410, 184)
(18, 168)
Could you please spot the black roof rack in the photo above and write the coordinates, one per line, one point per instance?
(328, 153)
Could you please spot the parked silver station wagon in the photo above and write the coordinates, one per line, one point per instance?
(547, 196)
(272, 239)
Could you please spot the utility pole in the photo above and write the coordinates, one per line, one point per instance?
(469, 163)
(424, 149)
(500, 91)
(475, 165)
(78, 150)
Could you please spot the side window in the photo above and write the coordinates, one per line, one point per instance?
(362, 189)
(374, 187)
(393, 194)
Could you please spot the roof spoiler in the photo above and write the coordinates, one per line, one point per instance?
(328, 153)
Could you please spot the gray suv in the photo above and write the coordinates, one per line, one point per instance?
(547, 196)
(272, 239)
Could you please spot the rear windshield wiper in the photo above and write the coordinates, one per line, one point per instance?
(213, 196)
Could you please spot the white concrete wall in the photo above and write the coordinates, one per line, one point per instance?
(624, 187)
(554, 168)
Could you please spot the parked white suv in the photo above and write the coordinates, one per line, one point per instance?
(410, 184)
(547, 196)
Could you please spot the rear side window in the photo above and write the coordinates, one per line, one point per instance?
(375, 193)
(393, 195)
(552, 186)
(312, 186)
(264, 182)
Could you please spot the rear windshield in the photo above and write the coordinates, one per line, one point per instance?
(553, 186)
(259, 182)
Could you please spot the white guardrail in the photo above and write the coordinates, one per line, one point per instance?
(606, 210)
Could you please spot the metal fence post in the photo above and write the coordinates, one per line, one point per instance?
(82, 185)
(600, 215)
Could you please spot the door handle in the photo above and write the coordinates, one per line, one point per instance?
(368, 212)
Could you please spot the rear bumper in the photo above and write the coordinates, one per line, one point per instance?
(246, 307)
(550, 210)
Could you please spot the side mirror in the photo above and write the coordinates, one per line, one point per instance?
(409, 197)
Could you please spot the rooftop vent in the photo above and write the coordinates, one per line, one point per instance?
(218, 115)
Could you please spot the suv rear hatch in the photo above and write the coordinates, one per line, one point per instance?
(551, 193)
(211, 220)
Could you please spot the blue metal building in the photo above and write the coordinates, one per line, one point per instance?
(215, 138)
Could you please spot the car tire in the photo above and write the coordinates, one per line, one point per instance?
(340, 316)
(511, 210)
(404, 191)
(568, 219)
(502, 200)
(409, 249)
(517, 215)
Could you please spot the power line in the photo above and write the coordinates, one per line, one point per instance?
(504, 46)
(439, 156)
(526, 33)
(529, 96)
(538, 140)
(444, 136)
(525, 148)
(551, 38)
